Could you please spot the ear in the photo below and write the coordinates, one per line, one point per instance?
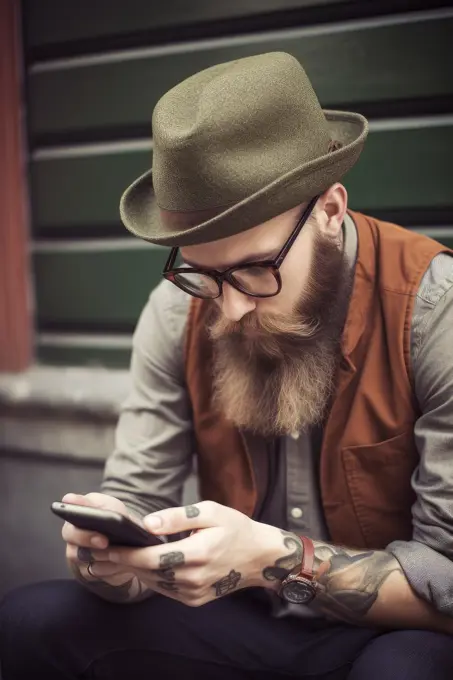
(334, 203)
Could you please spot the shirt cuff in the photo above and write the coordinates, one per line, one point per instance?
(428, 572)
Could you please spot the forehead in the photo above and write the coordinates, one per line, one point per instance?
(260, 242)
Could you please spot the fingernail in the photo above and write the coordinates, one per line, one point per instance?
(153, 521)
(84, 555)
(99, 542)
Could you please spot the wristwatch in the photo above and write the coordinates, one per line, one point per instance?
(300, 587)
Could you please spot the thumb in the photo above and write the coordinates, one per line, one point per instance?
(191, 517)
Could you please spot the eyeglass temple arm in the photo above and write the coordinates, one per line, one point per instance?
(305, 215)
(280, 257)
(171, 259)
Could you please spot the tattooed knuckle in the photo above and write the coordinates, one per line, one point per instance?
(171, 559)
(192, 511)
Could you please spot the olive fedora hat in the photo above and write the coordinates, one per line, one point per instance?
(234, 146)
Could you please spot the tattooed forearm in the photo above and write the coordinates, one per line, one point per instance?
(132, 590)
(361, 587)
(350, 580)
(285, 564)
(227, 584)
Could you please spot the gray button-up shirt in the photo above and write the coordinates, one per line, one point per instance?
(155, 442)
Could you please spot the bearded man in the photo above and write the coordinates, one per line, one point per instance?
(303, 352)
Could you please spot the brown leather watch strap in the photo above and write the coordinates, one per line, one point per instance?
(308, 558)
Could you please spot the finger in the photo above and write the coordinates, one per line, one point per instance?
(99, 555)
(72, 534)
(81, 537)
(116, 579)
(103, 569)
(175, 520)
(80, 554)
(96, 500)
(193, 550)
(76, 498)
(102, 500)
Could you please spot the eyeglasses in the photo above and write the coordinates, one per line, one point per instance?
(258, 279)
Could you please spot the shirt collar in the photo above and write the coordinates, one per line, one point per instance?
(350, 241)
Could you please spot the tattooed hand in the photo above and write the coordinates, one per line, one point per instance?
(110, 581)
(225, 551)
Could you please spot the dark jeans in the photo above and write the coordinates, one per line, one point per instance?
(59, 631)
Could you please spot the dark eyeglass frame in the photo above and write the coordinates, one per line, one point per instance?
(273, 266)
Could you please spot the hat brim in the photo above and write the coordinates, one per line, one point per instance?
(141, 214)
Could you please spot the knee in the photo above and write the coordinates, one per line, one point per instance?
(404, 655)
(29, 612)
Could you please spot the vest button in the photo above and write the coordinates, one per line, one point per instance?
(297, 513)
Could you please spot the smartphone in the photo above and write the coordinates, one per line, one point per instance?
(119, 530)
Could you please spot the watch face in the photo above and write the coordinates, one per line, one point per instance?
(298, 591)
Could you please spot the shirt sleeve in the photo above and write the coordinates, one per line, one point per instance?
(154, 439)
(427, 560)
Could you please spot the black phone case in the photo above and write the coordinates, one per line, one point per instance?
(118, 529)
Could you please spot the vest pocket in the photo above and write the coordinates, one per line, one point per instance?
(379, 481)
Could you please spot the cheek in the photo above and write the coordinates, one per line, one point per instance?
(283, 303)
(294, 275)
(294, 278)
(300, 257)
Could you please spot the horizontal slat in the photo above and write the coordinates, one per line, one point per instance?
(82, 356)
(404, 170)
(68, 192)
(51, 21)
(374, 65)
(61, 350)
(399, 170)
(101, 290)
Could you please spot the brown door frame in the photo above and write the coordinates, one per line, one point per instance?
(15, 289)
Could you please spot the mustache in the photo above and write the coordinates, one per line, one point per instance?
(269, 325)
(270, 337)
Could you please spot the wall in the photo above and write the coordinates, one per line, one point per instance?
(95, 71)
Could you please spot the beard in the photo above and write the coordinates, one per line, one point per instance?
(274, 374)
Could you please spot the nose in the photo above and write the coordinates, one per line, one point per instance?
(235, 304)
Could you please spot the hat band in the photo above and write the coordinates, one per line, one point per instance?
(180, 220)
(176, 220)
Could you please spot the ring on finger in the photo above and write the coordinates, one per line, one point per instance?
(89, 566)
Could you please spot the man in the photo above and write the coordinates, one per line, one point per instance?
(303, 352)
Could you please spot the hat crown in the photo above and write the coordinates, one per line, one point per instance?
(234, 128)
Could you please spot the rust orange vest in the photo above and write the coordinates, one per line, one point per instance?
(368, 452)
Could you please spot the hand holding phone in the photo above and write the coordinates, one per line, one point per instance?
(83, 534)
(115, 526)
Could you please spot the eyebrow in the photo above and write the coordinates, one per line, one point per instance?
(252, 259)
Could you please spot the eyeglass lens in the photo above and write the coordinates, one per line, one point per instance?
(257, 280)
